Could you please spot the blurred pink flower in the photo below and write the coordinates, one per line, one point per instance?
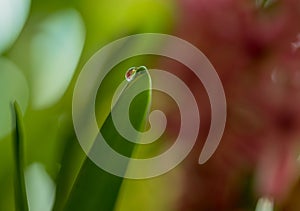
(252, 49)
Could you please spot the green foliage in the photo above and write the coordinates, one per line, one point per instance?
(94, 189)
(102, 187)
(40, 52)
(18, 138)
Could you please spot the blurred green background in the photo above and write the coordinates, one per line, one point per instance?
(43, 46)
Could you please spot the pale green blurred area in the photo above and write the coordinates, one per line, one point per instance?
(43, 46)
(13, 15)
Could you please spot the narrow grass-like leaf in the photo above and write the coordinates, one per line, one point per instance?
(96, 189)
(70, 165)
(18, 141)
(73, 155)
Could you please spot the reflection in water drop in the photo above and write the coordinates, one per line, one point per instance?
(130, 74)
(133, 71)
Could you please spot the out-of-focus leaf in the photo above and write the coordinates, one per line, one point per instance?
(13, 14)
(13, 86)
(264, 3)
(18, 138)
(96, 189)
(118, 18)
(264, 204)
(152, 193)
(55, 52)
(71, 161)
(39, 187)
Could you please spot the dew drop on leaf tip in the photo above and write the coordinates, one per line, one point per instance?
(133, 71)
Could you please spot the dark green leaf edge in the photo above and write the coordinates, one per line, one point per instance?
(18, 146)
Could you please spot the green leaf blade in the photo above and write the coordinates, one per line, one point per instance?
(18, 141)
(96, 189)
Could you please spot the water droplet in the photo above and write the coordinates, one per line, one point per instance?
(133, 71)
(130, 74)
